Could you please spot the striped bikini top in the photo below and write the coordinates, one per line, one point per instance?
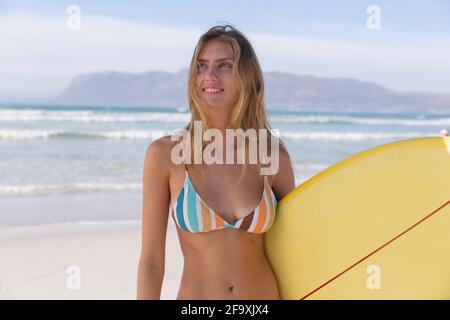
(192, 214)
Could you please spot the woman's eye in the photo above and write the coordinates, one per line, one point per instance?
(222, 66)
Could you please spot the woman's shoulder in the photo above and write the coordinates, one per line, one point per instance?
(284, 160)
(159, 147)
(283, 181)
(161, 144)
(158, 153)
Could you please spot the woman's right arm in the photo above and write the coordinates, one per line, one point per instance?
(155, 208)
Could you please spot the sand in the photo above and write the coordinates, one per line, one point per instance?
(79, 261)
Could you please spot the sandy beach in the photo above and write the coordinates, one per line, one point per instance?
(40, 262)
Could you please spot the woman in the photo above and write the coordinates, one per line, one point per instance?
(220, 215)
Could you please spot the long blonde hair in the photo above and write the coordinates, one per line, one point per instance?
(249, 111)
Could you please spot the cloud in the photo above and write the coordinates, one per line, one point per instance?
(405, 66)
(40, 55)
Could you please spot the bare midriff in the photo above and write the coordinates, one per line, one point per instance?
(225, 264)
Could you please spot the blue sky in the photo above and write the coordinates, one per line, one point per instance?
(321, 38)
(285, 17)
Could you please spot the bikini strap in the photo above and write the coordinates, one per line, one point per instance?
(184, 165)
(267, 179)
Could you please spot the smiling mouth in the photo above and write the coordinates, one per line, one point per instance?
(212, 90)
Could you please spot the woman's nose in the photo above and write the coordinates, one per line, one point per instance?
(211, 73)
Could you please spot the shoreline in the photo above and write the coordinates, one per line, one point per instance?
(37, 262)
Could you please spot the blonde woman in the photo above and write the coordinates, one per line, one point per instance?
(221, 210)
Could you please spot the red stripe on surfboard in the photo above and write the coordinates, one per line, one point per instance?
(376, 250)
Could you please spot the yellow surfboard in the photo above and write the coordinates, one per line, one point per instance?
(373, 226)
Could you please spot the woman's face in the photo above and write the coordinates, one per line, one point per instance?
(216, 85)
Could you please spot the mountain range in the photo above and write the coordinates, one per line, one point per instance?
(282, 91)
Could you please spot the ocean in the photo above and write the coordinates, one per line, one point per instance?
(62, 164)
